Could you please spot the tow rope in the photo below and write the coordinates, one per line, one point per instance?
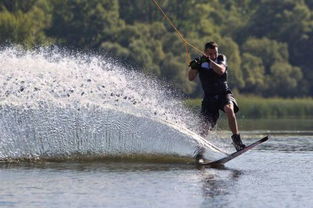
(186, 42)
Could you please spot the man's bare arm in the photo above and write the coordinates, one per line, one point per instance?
(192, 74)
(218, 68)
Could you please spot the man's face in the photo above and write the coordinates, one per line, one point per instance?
(211, 53)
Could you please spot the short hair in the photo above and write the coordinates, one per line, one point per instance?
(210, 45)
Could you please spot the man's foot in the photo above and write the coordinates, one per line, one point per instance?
(199, 154)
(237, 142)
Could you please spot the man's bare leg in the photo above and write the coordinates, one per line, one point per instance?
(232, 122)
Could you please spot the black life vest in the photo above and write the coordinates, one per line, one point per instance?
(212, 83)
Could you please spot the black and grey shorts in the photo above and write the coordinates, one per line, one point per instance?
(212, 104)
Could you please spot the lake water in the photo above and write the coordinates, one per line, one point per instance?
(275, 174)
(76, 109)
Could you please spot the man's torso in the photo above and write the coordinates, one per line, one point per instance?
(213, 83)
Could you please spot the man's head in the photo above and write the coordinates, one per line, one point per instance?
(211, 50)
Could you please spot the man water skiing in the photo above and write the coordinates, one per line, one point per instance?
(212, 70)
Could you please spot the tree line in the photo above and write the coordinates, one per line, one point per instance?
(268, 43)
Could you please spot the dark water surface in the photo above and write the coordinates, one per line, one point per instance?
(276, 174)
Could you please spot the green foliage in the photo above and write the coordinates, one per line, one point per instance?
(115, 49)
(286, 20)
(23, 22)
(84, 24)
(132, 11)
(268, 43)
(256, 107)
(270, 51)
(17, 5)
(172, 70)
(228, 46)
(254, 73)
(283, 79)
(267, 69)
(290, 22)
